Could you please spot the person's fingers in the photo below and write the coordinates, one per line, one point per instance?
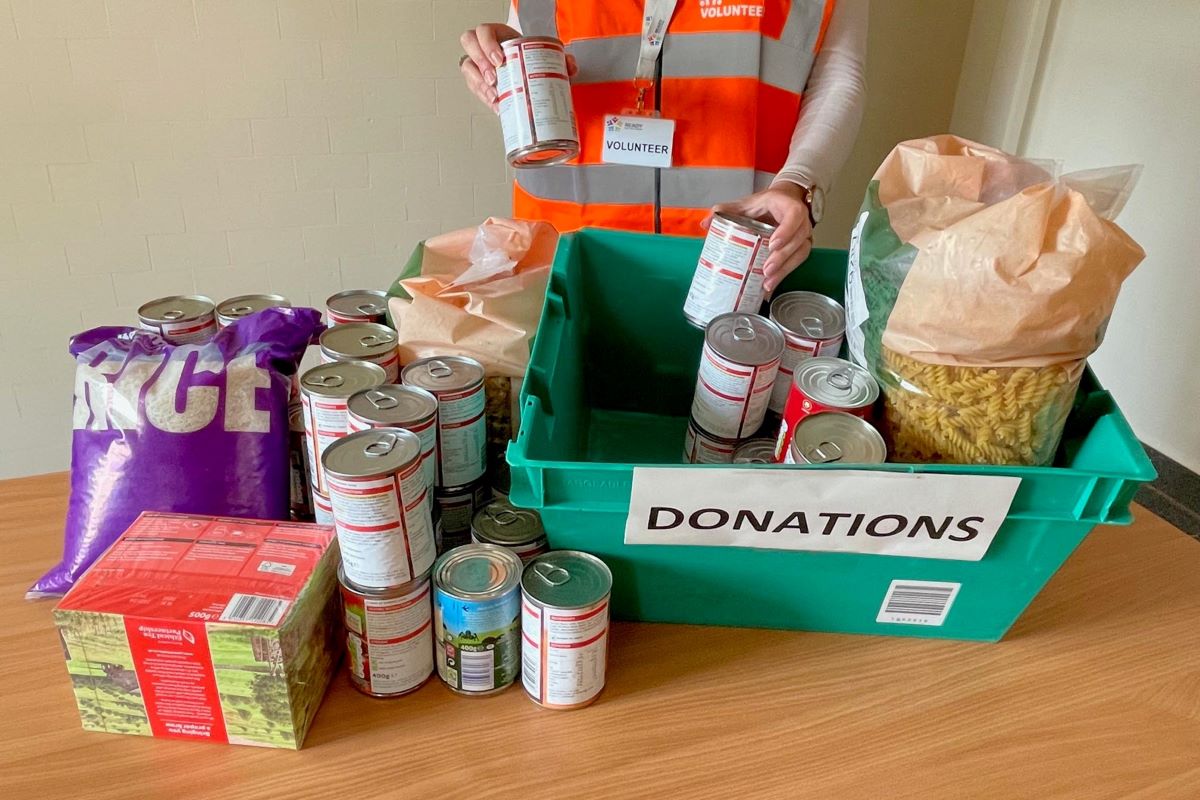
(572, 66)
(490, 45)
(776, 274)
(475, 53)
(790, 232)
(475, 82)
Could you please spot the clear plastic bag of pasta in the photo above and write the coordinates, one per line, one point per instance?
(979, 283)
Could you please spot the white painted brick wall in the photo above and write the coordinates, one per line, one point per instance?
(152, 147)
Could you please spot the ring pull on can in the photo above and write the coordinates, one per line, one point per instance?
(813, 325)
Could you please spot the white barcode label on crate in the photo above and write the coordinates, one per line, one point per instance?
(478, 670)
(254, 608)
(276, 568)
(917, 602)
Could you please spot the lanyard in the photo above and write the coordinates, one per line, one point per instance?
(657, 15)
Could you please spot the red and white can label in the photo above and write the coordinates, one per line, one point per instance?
(731, 399)
(383, 526)
(325, 421)
(799, 405)
(534, 95)
(729, 275)
(389, 640)
(797, 349)
(322, 510)
(462, 436)
(389, 361)
(425, 431)
(699, 449)
(563, 653)
(344, 319)
(192, 331)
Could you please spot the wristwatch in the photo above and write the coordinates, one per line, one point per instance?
(814, 196)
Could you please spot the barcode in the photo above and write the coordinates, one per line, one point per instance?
(254, 608)
(917, 602)
(478, 670)
(277, 568)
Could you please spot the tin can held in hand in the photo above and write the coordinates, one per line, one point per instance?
(457, 383)
(729, 275)
(701, 447)
(564, 628)
(180, 319)
(825, 384)
(835, 437)
(380, 506)
(235, 308)
(393, 406)
(537, 115)
(477, 618)
(363, 341)
(813, 325)
(389, 636)
(738, 366)
(357, 305)
(518, 529)
(324, 392)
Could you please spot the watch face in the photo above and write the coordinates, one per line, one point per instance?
(816, 203)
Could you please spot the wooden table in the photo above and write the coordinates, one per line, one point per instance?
(1094, 694)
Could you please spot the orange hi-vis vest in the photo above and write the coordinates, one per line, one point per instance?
(732, 73)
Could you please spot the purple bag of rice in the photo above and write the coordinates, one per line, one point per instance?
(192, 428)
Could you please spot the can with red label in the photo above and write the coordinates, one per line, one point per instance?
(380, 506)
(322, 509)
(457, 383)
(180, 319)
(389, 636)
(825, 384)
(835, 437)
(737, 370)
(564, 628)
(813, 325)
(755, 451)
(363, 341)
(357, 305)
(700, 447)
(537, 115)
(233, 309)
(394, 406)
(729, 275)
(324, 392)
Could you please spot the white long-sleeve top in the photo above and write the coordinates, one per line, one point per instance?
(833, 98)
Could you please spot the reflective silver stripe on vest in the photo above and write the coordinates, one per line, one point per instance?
(701, 187)
(538, 17)
(692, 187)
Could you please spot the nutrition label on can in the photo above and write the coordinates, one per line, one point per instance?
(729, 276)
(462, 436)
(325, 422)
(563, 653)
(382, 545)
(535, 96)
(395, 639)
(797, 349)
(731, 399)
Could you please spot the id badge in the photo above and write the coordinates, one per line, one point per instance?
(638, 140)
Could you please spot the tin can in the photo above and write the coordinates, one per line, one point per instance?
(835, 437)
(825, 384)
(737, 369)
(393, 406)
(380, 506)
(537, 115)
(564, 628)
(233, 309)
(363, 341)
(180, 319)
(457, 383)
(457, 506)
(322, 509)
(755, 451)
(356, 305)
(324, 392)
(813, 325)
(518, 529)
(701, 447)
(298, 489)
(477, 618)
(729, 275)
(389, 636)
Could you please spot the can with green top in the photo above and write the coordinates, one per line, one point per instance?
(564, 628)
(477, 618)
(518, 529)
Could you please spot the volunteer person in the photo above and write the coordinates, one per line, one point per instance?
(765, 97)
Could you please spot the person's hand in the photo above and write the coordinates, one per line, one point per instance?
(483, 55)
(784, 206)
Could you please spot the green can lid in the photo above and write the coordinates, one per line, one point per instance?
(477, 571)
(499, 522)
(567, 579)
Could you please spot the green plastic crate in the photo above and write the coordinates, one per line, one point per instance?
(609, 387)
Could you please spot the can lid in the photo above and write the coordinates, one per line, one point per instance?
(378, 451)
(836, 437)
(247, 304)
(836, 382)
(567, 579)
(341, 378)
(499, 522)
(391, 404)
(759, 227)
(808, 314)
(443, 374)
(359, 340)
(176, 308)
(747, 339)
(358, 302)
(755, 451)
(478, 571)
